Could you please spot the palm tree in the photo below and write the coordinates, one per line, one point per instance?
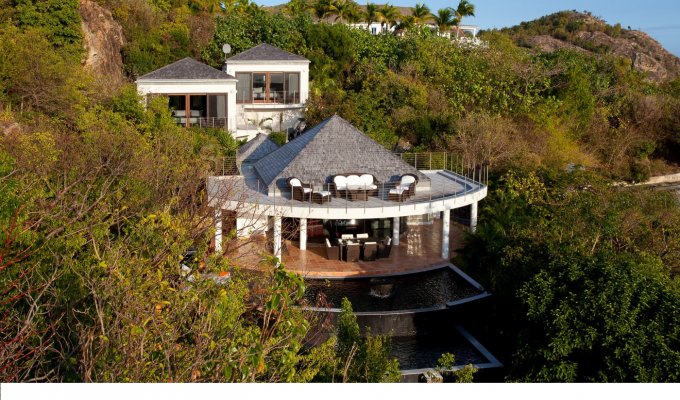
(321, 9)
(465, 9)
(445, 19)
(371, 14)
(344, 10)
(297, 7)
(388, 15)
(420, 13)
(407, 23)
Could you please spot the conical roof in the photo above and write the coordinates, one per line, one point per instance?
(333, 147)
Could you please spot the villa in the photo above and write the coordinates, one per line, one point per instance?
(331, 201)
(262, 86)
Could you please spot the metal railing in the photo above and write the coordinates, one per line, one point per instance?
(272, 97)
(448, 186)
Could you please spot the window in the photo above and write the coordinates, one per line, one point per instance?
(244, 88)
(374, 30)
(268, 87)
(259, 86)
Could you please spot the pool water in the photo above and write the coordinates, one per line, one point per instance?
(430, 289)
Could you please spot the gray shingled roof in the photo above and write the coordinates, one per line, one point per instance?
(333, 147)
(266, 52)
(257, 148)
(187, 68)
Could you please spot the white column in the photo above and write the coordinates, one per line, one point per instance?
(473, 217)
(218, 230)
(446, 223)
(395, 231)
(277, 237)
(303, 233)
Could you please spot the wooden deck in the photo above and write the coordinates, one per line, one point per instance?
(419, 249)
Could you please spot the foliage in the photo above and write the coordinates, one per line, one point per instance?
(581, 276)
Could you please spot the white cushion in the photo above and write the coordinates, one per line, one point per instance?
(324, 193)
(328, 243)
(347, 236)
(367, 179)
(362, 235)
(306, 190)
(407, 180)
(404, 187)
(295, 182)
(354, 182)
(340, 182)
(398, 190)
(372, 187)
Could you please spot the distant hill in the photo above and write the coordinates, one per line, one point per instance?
(584, 32)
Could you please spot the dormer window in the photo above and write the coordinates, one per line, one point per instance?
(268, 87)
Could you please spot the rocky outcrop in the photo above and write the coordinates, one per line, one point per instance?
(584, 32)
(548, 44)
(646, 54)
(103, 40)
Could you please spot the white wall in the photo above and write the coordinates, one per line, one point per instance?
(252, 225)
(195, 86)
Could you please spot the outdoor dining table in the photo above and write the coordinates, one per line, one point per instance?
(362, 241)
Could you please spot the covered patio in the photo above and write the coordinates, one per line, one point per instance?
(419, 250)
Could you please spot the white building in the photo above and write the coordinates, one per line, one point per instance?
(261, 88)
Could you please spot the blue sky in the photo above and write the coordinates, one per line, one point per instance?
(659, 18)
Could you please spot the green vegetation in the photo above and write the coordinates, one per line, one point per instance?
(584, 276)
(100, 198)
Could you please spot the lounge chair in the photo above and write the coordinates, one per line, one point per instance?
(332, 252)
(370, 251)
(352, 252)
(300, 191)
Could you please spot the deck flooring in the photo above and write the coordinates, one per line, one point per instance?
(419, 249)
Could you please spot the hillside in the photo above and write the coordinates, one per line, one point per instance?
(584, 32)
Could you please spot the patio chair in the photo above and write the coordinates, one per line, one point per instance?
(300, 191)
(362, 235)
(385, 248)
(352, 252)
(332, 252)
(405, 188)
(370, 251)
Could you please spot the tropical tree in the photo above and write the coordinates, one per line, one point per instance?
(297, 7)
(371, 14)
(388, 15)
(464, 9)
(321, 9)
(406, 23)
(344, 10)
(421, 14)
(445, 19)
